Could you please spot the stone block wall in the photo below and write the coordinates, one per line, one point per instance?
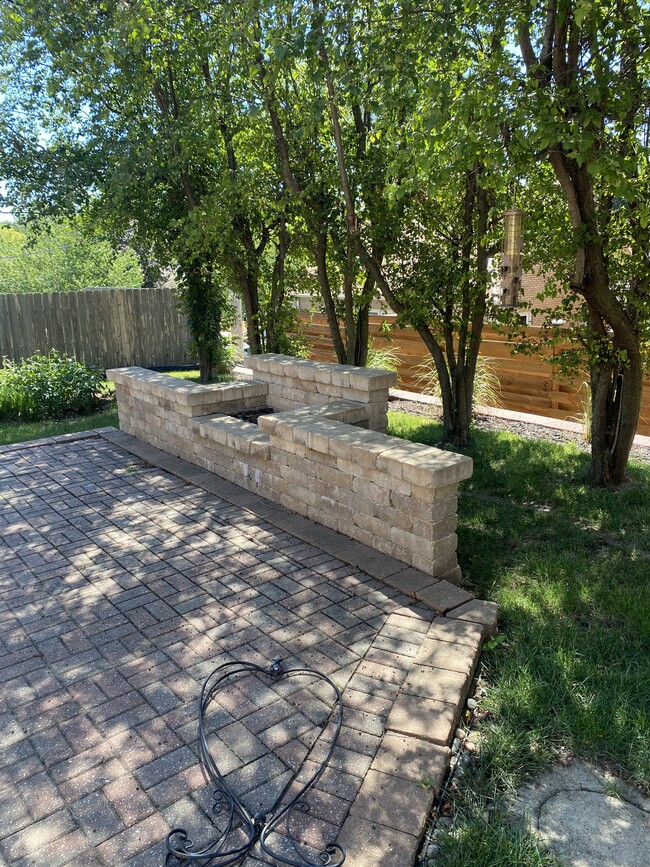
(397, 497)
(155, 407)
(296, 382)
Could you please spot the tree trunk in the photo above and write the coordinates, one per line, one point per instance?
(277, 289)
(615, 388)
(615, 407)
(326, 295)
(250, 296)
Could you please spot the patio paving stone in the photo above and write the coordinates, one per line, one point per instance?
(126, 577)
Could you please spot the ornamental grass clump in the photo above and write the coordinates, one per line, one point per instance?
(49, 386)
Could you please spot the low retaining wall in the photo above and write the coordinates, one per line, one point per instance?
(296, 382)
(318, 460)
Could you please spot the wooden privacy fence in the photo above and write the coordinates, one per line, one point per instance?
(528, 384)
(107, 327)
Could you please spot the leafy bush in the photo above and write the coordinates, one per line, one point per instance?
(48, 386)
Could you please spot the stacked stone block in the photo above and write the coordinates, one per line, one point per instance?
(399, 498)
(296, 382)
(156, 407)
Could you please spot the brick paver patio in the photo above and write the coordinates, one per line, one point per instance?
(121, 587)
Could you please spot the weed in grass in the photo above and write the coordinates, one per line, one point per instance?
(427, 782)
(612, 790)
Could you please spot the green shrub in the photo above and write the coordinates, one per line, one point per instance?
(383, 358)
(48, 386)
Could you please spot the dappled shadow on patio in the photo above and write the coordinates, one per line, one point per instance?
(122, 588)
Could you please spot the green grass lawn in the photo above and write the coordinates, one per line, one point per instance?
(569, 567)
(21, 431)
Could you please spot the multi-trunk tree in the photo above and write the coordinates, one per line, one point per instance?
(583, 107)
(412, 189)
(140, 115)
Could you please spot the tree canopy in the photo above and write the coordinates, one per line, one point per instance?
(365, 147)
(62, 259)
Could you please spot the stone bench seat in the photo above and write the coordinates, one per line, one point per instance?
(242, 436)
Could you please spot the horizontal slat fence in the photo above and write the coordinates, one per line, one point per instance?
(107, 327)
(528, 384)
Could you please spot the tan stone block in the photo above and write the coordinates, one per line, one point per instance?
(412, 759)
(259, 363)
(444, 595)
(410, 580)
(327, 389)
(240, 468)
(279, 404)
(430, 720)
(291, 396)
(386, 546)
(279, 365)
(328, 517)
(372, 525)
(341, 375)
(393, 801)
(396, 455)
(411, 506)
(332, 476)
(314, 399)
(437, 531)
(318, 442)
(323, 372)
(370, 379)
(372, 844)
(435, 495)
(292, 475)
(393, 517)
(438, 567)
(359, 394)
(360, 535)
(354, 503)
(479, 612)
(438, 684)
(454, 575)
(369, 491)
(371, 446)
(443, 654)
(391, 482)
(456, 631)
(281, 449)
(410, 542)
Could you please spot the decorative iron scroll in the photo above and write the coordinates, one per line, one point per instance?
(239, 828)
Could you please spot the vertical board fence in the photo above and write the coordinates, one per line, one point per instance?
(107, 327)
(528, 384)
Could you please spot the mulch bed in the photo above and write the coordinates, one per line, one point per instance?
(252, 415)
